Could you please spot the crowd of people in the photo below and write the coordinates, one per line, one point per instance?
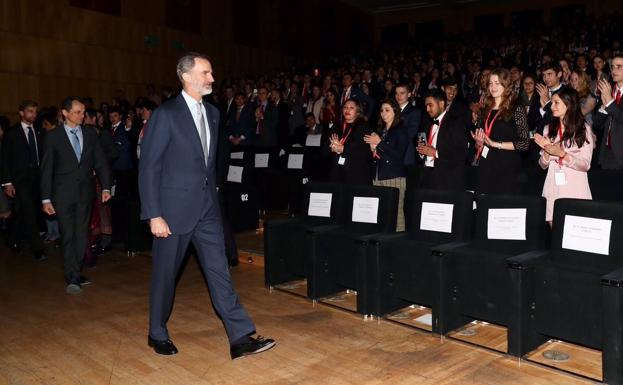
(548, 98)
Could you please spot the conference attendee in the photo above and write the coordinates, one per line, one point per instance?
(183, 206)
(580, 82)
(600, 67)
(241, 127)
(71, 156)
(411, 117)
(309, 128)
(49, 121)
(21, 158)
(516, 77)
(315, 103)
(388, 148)
(350, 155)
(145, 114)
(352, 92)
(567, 149)
(502, 134)
(5, 206)
(266, 119)
(609, 117)
(552, 77)
(330, 113)
(443, 145)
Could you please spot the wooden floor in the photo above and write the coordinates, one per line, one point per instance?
(99, 337)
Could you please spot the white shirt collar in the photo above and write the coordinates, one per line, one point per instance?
(192, 103)
(440, 117)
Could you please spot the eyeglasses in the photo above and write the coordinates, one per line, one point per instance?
(616, 67)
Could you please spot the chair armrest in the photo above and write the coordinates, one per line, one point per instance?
(526, 260)
(614, 278)
(444, 248)
(378, 238)
(323, 229)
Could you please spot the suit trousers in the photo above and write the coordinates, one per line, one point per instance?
(168, 256)
(27, 209)
(73, 220)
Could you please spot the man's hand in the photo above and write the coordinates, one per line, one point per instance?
(9, 190)
(606, 91)
(543, 92)
(426, 149)
(106, 196)
(48, 208)
(159, 227)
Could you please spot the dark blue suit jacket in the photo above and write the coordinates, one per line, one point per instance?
(122, 142)
(174, 180)
(412, 118)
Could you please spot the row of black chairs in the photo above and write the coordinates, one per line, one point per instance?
(467, 257)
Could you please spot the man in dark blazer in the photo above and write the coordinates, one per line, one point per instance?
(177, 183)
(350, 91)
(241, 127)
(21, 155)
(412, 118)
(445, 146)
(609, 118)
(552, 77)
(267, 120)
(71, 154)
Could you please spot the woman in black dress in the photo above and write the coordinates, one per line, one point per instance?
(350, 155)
(502, 134)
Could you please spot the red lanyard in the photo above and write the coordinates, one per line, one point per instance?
(350, 129)
(489, 125)
(560, 133)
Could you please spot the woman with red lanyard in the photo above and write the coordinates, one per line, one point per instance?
(567, 144)
(329, 113)
(350, 155)
(503, 133)
(388, 153)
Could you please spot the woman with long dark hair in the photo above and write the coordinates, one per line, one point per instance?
(388, 148)
(503, 133)
(567, 144)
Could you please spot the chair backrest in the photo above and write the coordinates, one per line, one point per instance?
(606, 185)
(588, 234)
(370, 209)
(323, 203)
(442, 216)
(510, 224)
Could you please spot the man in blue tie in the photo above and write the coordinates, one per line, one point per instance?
(71, 155)
(177, 184)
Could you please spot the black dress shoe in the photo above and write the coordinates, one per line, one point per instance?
(82, 280)
(255, 345)
(162, 347)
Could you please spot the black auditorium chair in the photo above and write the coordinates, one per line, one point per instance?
(297, 175)
(240, 191)
(606, 185)
(337, 253)
(574, 291)
(401, 267)
(286, 256)
(478, 285)
(271, 178)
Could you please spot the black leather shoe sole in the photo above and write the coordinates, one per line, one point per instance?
(253, 347)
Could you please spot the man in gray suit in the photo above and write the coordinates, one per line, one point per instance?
(267, 118)
(71, 153)
(609, 119)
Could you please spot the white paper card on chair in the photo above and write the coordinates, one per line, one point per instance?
(313, 140)
(295, 161)
(436, 217)
(261, 160)
(507, 224)
(235, 174)
(365, 209)
(319, 205)
(236, 155)
(586, 234)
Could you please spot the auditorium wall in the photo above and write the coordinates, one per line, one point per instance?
(53, 48)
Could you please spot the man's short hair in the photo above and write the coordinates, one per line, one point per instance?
(114, 109)
(187, 62)
(449, 82)
(27, 103)
(69, 101)
(310, 115)
(90, 112)
(403, 85)
(437, 94)
(150, 105)
(553, 65)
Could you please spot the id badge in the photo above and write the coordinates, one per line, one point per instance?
(560, 178)
(485, 152)
(341, 160)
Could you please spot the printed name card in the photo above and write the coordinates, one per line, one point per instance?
(320, 205)
(436, 217)
(507, 224)
(295, 161)
(235, 174)
(313, 140)
(365, 209)
(261, 160)
(236, 155)
(590, 235)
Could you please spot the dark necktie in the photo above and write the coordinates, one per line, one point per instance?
(32, 146)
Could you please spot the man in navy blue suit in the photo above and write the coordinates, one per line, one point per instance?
(177, 182)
